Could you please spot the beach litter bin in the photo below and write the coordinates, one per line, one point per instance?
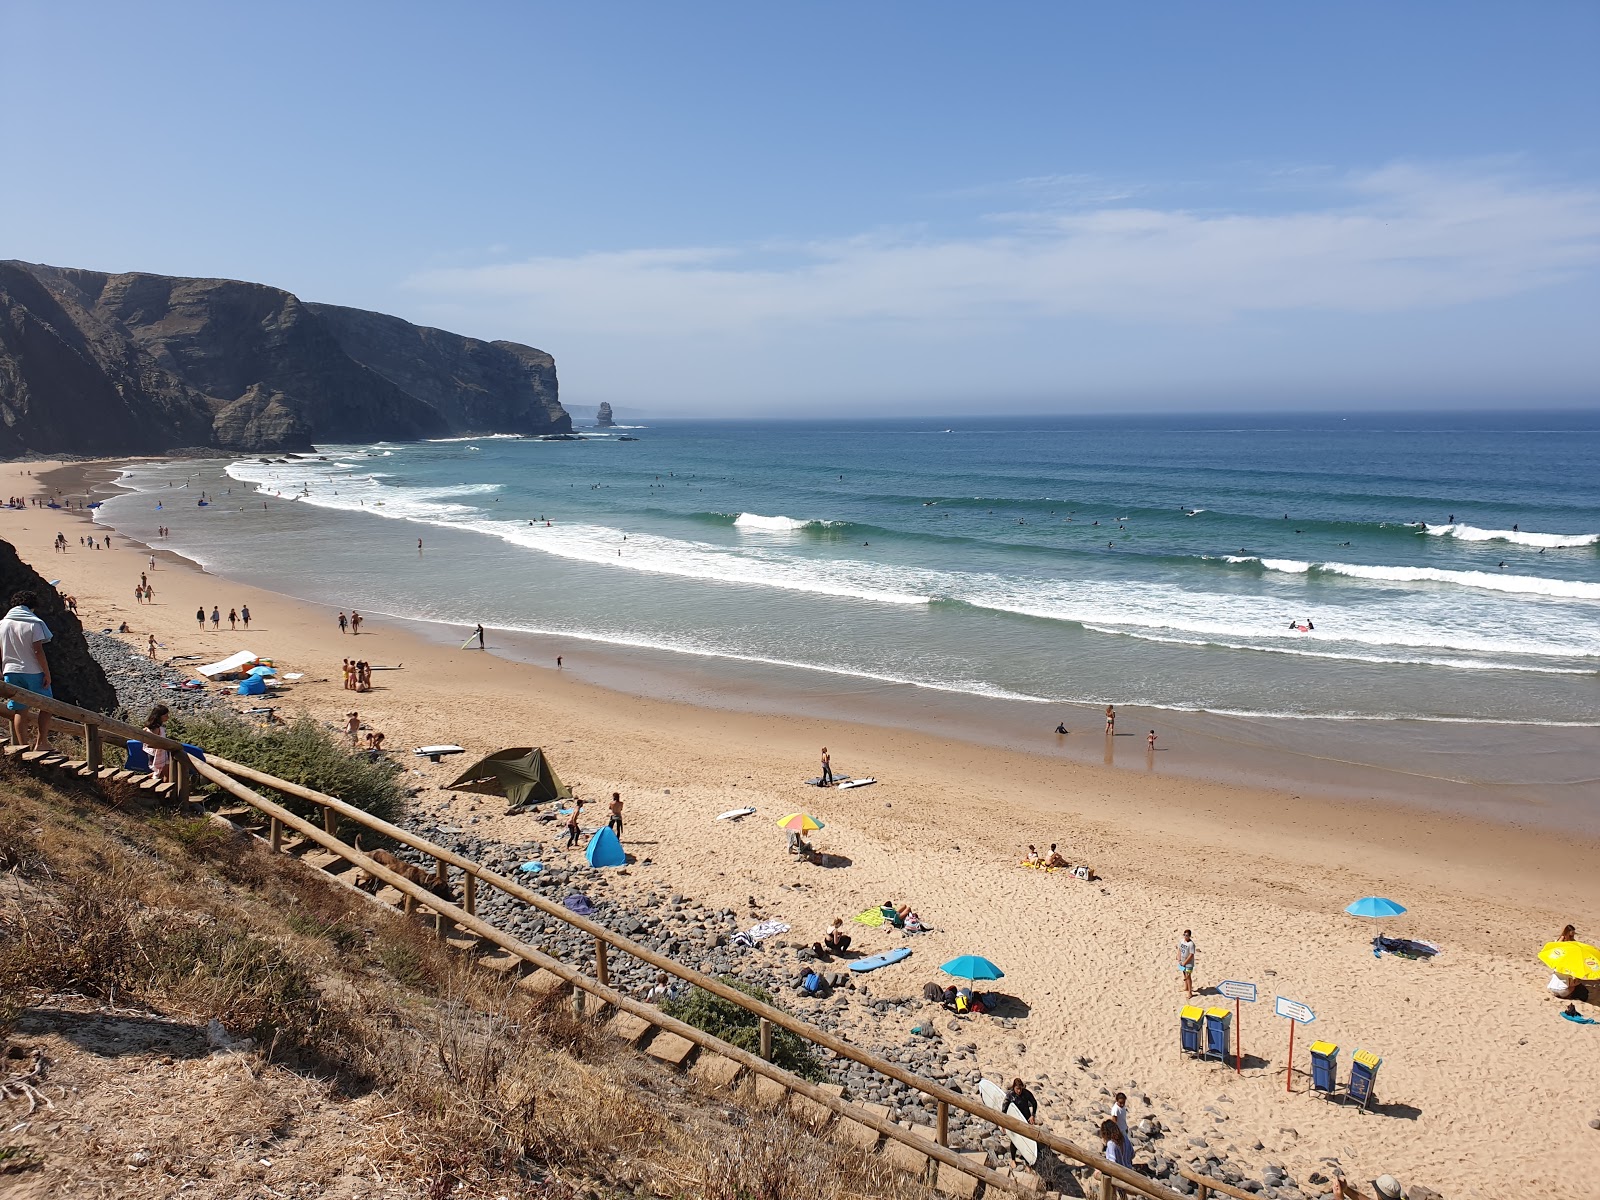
(1324, 1068)
(1363, 1076)
(1189, 1029)
(1219, 1030)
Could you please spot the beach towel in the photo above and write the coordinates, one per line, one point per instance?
(1403, 947)
(579, 903)
(768, 929)
(873, 916)
(1577, 1020)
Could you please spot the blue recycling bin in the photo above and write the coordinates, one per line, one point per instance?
(1219, 1030)
(1324, 1067)
(1363, 1076)
(1189, 1029)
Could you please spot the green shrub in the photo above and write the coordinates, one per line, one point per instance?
(302, 752)
(742, 1028)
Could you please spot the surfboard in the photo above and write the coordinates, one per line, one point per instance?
(887, 958)
(994, 1096)
(733, 814)
(469, 641)
(850, 783)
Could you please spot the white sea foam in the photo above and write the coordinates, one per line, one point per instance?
(1421, 622)
(1530, 585)
(1550, 541)
(773, 524)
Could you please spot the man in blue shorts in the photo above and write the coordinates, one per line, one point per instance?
(22, 639)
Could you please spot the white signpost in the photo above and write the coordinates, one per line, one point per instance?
(1237, 990)
(1298, 1014)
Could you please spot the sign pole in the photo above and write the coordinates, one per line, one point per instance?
(1288, 1075)
(1238, 1038)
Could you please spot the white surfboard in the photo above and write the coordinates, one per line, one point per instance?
(994, 1096)
(733, 814)
(850, 783)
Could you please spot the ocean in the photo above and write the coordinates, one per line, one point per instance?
(1438, 568)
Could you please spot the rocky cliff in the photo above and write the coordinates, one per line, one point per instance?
(74, 675)
(92, 363)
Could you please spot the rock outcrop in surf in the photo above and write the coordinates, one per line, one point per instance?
(96, 363)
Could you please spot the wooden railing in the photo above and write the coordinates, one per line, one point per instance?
(93, 729)
(233, 778)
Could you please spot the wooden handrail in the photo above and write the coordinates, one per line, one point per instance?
(622, 1003)
(716, 987)
(219, 770)
(1208, 1185)
(84, 716)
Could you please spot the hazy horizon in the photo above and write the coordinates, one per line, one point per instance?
(743, 211)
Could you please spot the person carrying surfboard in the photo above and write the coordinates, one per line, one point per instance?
(1026, 1103)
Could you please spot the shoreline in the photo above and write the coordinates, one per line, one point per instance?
(1512, 773)
(1260, 873)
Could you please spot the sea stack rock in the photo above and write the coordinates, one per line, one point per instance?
(603, 419)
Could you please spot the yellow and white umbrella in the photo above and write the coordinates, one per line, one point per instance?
(1575, 960)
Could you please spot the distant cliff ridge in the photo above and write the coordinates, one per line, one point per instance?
(92, 363)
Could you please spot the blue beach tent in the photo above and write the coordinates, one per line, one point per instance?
(252, 685)
(604, 850)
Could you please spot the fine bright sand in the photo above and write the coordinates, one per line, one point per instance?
(1485, 1091)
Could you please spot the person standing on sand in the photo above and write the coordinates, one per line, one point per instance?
(149, 593)
(827, 769)
(200, 616)
(615, 823)
(244, 613)
(1111, 720)
(22, 639)
(343, 624)
(152, 648)
(1150, 742)
(572, 823)
(479, 632)
(558, 662)
(233, 619)
(352, 728)
(355, 622)
(1186, 953)
(216, 617)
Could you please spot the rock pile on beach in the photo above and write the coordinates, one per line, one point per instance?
(915, 1034)
(142, 684)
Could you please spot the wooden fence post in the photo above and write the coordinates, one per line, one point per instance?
(1108, 1190)
(766, 1039)
(602, 969)
(180, 759)
(330, 820)
(470, 898)
(944, 1123)
(91, 747)
(276, 838)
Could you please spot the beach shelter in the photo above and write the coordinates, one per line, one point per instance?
(1374, 906)
(604, 850)
(252, 685)
(234, 664)
(972, 966)
(522, 775)
(1576, 960)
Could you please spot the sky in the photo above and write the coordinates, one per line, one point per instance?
(873, 209)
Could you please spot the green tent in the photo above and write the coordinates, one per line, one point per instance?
(521, 774)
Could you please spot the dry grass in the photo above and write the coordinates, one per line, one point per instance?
(450, 1081)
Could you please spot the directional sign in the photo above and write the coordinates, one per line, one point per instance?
(1234, 989)
(1293, 1009)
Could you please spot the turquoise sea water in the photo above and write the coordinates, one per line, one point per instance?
(1449, 565)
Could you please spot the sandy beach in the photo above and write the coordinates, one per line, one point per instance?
(1485, 1090)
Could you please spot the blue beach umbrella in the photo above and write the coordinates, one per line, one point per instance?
(1374, 906)
(973, 967)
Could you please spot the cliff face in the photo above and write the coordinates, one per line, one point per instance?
(92, 363)
(74, 675)
(479, 387)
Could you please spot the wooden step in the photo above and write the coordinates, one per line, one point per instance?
(16, 749)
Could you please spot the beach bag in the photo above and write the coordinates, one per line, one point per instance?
(813, 982)
(961, 1004)
(932, 991)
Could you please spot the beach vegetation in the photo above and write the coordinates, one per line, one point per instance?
(739, 1027)
(301, 752)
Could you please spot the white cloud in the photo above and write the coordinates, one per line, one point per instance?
(1398, 239)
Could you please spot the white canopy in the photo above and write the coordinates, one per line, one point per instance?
(228, 666)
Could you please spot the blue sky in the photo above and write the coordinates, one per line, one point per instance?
(891, 207)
